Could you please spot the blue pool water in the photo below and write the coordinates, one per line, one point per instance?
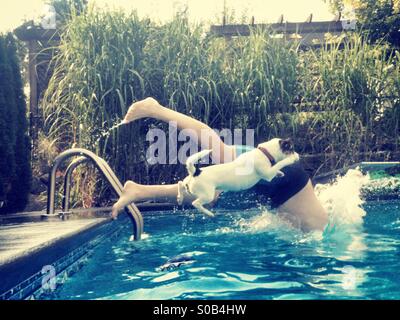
(248, 254)
(229, 261)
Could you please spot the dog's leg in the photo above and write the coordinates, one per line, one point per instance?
(275, 170)
(181, 189)
(198, 204)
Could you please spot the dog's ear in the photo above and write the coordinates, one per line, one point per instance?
(286, 145)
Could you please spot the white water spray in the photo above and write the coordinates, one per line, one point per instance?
(105, 134)
(342, 199)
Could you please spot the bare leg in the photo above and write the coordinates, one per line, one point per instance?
(206, 137)
(134, 192)
(304, 210)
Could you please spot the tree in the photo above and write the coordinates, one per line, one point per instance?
(66, 8)
(15, 171)
(380, 19)
(20, 186)
(7, 127)
(4, 144)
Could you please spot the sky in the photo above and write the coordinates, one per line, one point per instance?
(13, 13)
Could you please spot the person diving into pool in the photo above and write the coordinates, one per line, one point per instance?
(292, 195)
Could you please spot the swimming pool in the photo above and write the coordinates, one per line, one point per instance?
(249, 254)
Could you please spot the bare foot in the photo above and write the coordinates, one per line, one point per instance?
(141, 109)
(131, 192)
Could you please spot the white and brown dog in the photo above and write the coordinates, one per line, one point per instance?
(264, 162)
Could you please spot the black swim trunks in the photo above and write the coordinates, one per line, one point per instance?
(280, 189)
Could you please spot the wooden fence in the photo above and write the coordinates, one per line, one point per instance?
(306, 33)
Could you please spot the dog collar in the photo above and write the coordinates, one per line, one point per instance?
(267, 154)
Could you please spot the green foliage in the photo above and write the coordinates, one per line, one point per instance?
(338, 100)
(7, 127)
(381, 20)
(361, 80)
(67, 8)
(378, 19)
(15, 171)
(20, 187)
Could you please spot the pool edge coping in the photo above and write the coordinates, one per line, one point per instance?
(51, 251)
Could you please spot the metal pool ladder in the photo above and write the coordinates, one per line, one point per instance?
(88, 156)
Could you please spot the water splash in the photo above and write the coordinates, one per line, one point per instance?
(267, 220)
(343, 238)
(343, 200)
(104, 134)
(386, 187)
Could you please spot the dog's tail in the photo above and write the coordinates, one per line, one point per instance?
(191, 166)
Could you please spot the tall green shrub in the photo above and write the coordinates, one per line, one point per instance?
(335, 101)
(15, 170)
(21, 185)
(7, 124)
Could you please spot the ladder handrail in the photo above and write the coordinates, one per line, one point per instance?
(134, 213)
(68, 179)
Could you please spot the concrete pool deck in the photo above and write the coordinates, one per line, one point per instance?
(23, 238)
(23, 232)
(28, 243)
(31, 240)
